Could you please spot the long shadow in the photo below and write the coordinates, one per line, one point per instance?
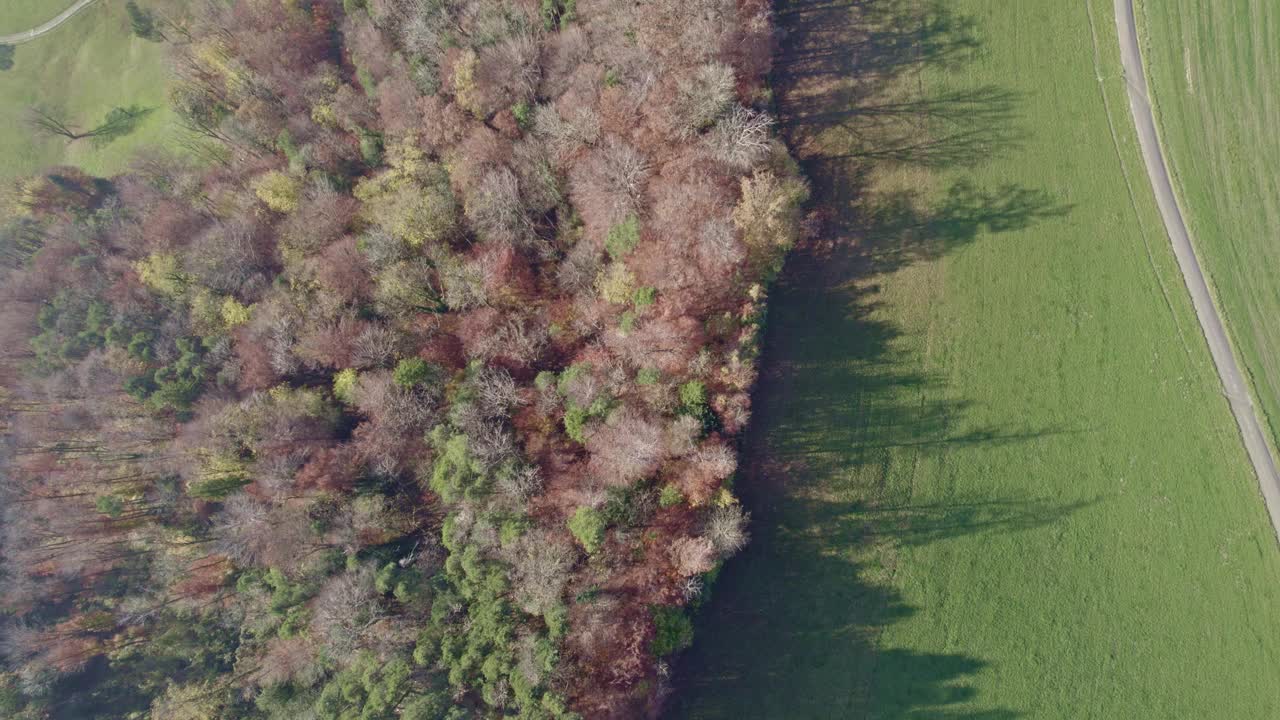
(793, 626)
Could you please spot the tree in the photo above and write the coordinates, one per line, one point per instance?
(768, 215)
(278, 190)
(253, 533)
(692, 556)
(412, 372)
(417, 209)
(6, 57)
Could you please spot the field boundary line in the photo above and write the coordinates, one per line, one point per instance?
(1235, 389)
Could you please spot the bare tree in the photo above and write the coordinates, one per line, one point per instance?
(564, 136)
(726, 529)
(703, 97)
(522, 485)
(377, 345)
(742, 139)
(540, 564)
(692, 556)
(627, 448)
(494, 209)
(496, 392)
(251, 532)
(346, 610)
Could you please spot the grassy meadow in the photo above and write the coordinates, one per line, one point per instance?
(992, 472)
(85, 68)
(1215, 84)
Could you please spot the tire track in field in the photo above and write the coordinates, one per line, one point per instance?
(1128, 182)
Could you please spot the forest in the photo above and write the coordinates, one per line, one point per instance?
(412, 385)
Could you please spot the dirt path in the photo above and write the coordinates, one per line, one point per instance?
(28, 35)
(1233, 383)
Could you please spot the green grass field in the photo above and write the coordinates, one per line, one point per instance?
(86, 67)
(992, 473)
(19, 15)
(1215, 79)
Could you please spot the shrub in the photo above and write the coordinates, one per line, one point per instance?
(544, 380)
(344, 385)
(234, 313)
(558, 13)
(109, 505)
(557, 620)
(628, 506)
(670, 495)
(644, 297)
(693, 396)
(286, 145)
(623, 237)
(523, 113)
(411, 372)
(673, 630)
(371, 148)
(587, 526)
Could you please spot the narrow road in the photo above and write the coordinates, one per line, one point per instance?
(1210, 321)
(28, 35)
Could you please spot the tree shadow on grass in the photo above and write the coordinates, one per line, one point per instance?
(119, 123)
(793, 625)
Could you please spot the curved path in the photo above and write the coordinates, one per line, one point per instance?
(28, 35)
(1233, 383)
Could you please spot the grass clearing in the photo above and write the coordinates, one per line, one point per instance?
(1215, 84)
(88, 66)
(994, 475)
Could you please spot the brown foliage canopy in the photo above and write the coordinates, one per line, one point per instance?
(444, 342)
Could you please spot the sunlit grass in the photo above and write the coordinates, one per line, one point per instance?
(1215, 77)
(88, 66)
